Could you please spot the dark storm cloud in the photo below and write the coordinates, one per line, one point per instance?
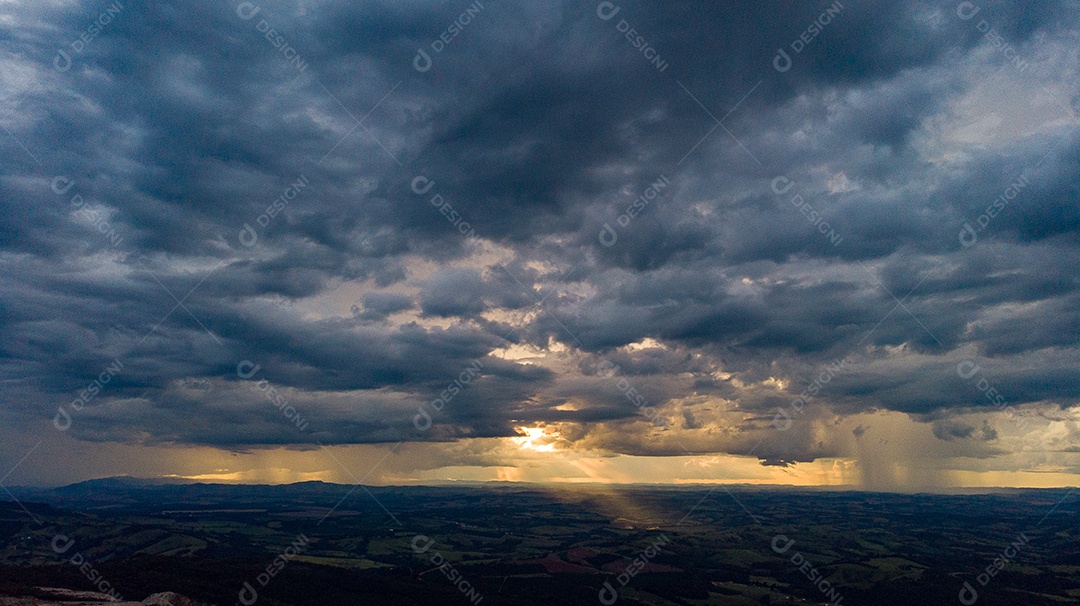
(378, 305)
(193, 194)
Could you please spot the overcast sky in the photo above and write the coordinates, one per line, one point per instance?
(405, 241)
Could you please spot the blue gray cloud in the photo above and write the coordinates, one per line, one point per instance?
(189, 187)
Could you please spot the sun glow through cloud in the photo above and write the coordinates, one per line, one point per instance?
(536, 439)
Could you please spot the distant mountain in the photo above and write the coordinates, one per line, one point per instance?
(124, 482)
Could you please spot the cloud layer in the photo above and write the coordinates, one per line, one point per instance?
(191, 193)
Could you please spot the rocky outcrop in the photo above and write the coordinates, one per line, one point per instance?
(68, 597)
(170, 599)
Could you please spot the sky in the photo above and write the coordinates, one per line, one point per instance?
(403, 241)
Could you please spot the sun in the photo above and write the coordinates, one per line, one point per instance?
(536, 439)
